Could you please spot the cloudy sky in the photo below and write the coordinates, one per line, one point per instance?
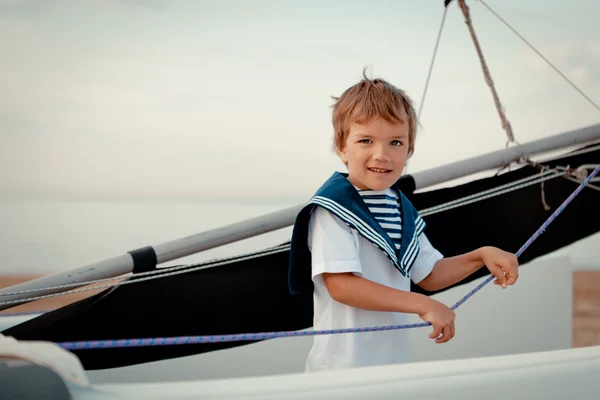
(204, 98)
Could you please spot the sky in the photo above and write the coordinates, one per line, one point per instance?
(194, 99)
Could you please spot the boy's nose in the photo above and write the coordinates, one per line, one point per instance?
(380, 154)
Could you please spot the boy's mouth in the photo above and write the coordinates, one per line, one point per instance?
(379, 170)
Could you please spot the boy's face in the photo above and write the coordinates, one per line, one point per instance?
(375, 153)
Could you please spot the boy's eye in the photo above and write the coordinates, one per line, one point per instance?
(396, 143)
(366, 141)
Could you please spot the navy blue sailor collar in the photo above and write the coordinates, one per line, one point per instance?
(341, 198)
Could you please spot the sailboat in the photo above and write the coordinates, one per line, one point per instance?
(149, 321)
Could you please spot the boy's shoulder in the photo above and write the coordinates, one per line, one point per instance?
(335, 197)
(324, 220)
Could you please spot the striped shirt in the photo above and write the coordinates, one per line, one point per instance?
(384, 206)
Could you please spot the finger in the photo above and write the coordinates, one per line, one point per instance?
(436, 332)
(499, 274)
(446, 335)
(514, 273)
(511, 275)
(449, 333)
(512, 278)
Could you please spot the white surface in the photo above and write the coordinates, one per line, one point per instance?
(534, 315)
(565, 374)
(47, 354)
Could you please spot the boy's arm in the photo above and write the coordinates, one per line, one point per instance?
(450, 270)
(359, 292)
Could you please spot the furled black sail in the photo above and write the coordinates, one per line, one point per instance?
(251, 295)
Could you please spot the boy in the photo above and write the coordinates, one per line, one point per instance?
(359, 242)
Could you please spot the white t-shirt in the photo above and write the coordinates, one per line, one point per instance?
(336, 247)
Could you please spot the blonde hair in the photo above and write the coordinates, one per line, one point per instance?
(368, 99)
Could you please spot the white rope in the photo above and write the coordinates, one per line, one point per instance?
(582, 172)
(588, 185)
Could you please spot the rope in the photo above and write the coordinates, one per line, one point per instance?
(576, 175)
(435, 49)
(486, 73)
(541, 55)
(589, 184)
(163, 341)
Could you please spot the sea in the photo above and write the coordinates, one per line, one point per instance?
(41, 236)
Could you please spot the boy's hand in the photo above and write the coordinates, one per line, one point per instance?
(442, 319)
(503, 265)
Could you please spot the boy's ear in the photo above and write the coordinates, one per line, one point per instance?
(342, 154)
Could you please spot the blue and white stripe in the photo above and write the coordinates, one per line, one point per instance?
(386, 210)
(412, 251)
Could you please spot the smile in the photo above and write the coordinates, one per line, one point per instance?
(381, 171)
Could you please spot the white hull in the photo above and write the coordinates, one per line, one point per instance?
(563, 374)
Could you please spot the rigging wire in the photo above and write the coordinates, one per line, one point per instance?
(540, 54)
(435, 49)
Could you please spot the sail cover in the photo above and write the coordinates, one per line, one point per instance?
(251, 295)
